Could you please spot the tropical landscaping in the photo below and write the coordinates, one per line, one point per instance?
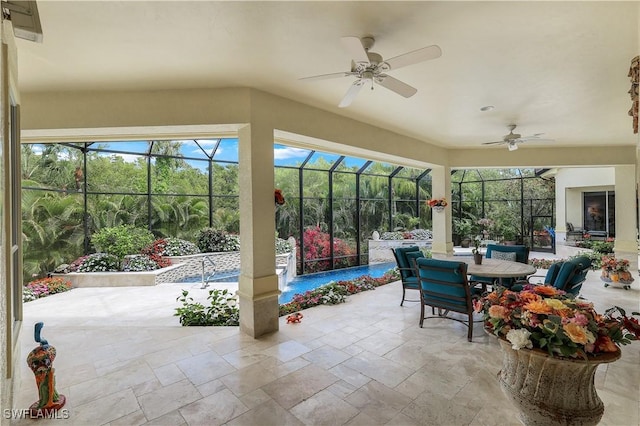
(175, 189)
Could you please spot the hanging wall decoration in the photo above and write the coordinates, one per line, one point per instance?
(634, 74)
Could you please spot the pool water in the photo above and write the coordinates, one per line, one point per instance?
(305, 282)
(310, 281)
(230, 276)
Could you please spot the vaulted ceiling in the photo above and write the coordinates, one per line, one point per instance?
(558, 68)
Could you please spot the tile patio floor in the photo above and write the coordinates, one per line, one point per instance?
(123, 359)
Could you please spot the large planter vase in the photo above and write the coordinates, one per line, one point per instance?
(552, 391)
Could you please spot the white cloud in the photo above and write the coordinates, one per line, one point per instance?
(289, 152)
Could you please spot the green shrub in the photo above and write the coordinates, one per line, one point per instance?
(223, 309)
(214, 240)
(178, 247)
(122, 240)
(138, 263)
(602, 247)
(99, 262)
(283, 246)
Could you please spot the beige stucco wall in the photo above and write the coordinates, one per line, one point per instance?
(214, 112)
(570, 184)
(8, 76)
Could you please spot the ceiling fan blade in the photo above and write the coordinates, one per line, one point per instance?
(395, 85)
(328, 76)
(354, 47)
(351, 94)
(492, 143)
(410, 58)
(535, 140)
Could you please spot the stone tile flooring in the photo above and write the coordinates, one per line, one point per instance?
(124, 360)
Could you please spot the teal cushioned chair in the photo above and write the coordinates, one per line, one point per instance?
(522, 256)
(444, 286)
(404, 259)
(568, 275)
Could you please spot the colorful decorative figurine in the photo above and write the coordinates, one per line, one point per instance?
(294, 318)
(40, 360)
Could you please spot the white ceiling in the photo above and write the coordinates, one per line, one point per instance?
(558, 68)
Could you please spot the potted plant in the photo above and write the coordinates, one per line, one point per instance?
(462, 228)
(477, 256)
(615, 271)
(554, 342)
(509, 235)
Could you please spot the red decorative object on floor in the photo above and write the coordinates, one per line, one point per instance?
(294, 318)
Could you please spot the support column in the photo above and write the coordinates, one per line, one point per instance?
(626, 245)
(258, 286)
(441, 188)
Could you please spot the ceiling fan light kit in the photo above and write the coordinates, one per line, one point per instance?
(513, 139)
(369, 66)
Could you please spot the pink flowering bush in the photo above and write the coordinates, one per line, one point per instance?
(44, 287)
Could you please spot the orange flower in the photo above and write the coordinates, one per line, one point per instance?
(493, 297)
(545, 290)
(528, 297)
(576, 333)
(538, 307)
(500, 312)
(605, 344)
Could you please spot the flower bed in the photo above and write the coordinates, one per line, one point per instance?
(336, 292)
(44, 287)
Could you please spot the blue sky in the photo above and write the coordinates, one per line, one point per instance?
(227, 151)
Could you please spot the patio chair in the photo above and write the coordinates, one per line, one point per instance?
(516, 253)
(405, 260)
(444, 286)
(568, 275)
(574, 233)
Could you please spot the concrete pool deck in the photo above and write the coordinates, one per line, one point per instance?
(123, 359)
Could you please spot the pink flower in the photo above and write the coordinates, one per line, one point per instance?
(580, 319)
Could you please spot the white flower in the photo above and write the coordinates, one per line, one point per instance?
(519, 338)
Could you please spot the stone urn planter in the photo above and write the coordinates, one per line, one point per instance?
(549, 390)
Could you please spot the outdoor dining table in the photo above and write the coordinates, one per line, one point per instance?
(498, 268)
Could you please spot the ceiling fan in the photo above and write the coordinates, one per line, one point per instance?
(369, 68)
(513, 139)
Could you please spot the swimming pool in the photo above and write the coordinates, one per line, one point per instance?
(310, 281)
(306, 282)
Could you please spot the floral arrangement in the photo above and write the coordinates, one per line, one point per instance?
(44, 287)
(279, 197)
(437, 202)
(485, 222)
(546, 318)
(611, 264)
(614, 270)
